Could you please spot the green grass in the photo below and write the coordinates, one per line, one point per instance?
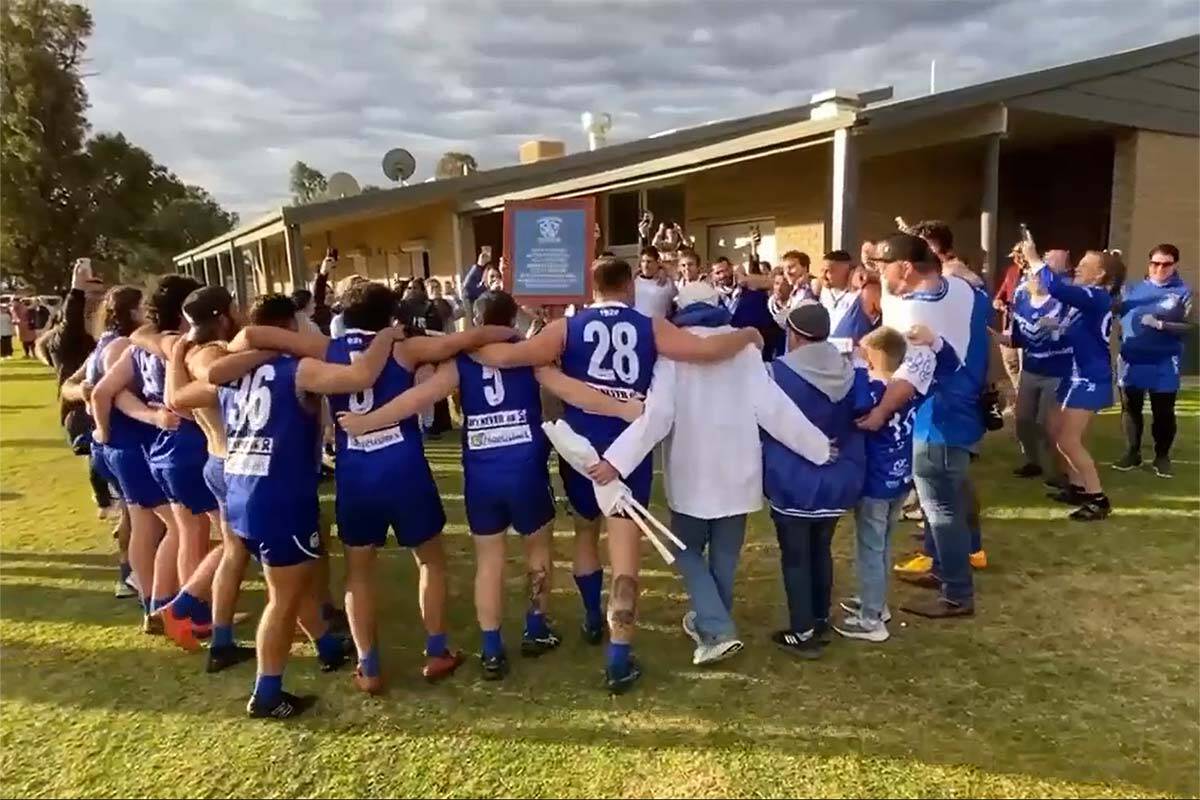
(1078, 677)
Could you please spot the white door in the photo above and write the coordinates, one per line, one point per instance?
(732, 241)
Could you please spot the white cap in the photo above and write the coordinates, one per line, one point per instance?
(697, 292)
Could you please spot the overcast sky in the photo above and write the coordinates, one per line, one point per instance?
(229, 93)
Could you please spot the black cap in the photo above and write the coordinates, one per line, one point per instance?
(810, 320)
(207, 302)
(904, 247)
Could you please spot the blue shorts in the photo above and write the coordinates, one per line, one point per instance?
(100, 466)
(1084, 394)
(277, 534)
(582, 495)
(412, 509)
(1156, 376)
(138, 487)
(519, 496)
(214, 479)
(185, 486)
(285, 551)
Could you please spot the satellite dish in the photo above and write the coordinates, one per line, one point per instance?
(399, 164)
(341, 184)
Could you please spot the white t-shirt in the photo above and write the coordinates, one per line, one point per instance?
(6, 323)
(652, 298)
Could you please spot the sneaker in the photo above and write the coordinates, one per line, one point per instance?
(1027, 471)
(179, 630)
(917, 565)
(365, 684)
(340, 656)
(438, 667)
(718, 651)
(286, 707)
(1071, 496)
(689, 627)
(1162, 467)
(220, 658)
(1057, 482)
(620, 684)
(821, 630)
(592, 634)
(979, 559)
(855, 627)
(534, 646)
(1092, 510)
(122, 590)
(804, 645)
(853, 606)
(494, 667)
(1131, 460)
(939, 608)
(152, 625)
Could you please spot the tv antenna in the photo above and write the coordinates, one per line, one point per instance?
(399, 165)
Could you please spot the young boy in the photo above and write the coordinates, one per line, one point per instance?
(888, 479)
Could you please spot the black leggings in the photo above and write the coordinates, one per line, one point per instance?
(1162, 425)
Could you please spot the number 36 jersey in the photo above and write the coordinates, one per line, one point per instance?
(611, 347)
(377, 459)
(271, 471)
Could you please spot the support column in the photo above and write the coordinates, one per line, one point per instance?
(263, 268)
(844, 192)
(294, 247)
(211, 275)
(464, 252)
(989, 209)
(238, 269)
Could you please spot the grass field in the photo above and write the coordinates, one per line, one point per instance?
(1078, 677)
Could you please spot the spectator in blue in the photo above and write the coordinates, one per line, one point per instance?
(1155, 318)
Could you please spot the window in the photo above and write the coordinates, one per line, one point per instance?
(625, 209)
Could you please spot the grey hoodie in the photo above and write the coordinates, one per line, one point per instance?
(823, 366)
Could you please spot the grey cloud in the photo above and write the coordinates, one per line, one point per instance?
(228, 93)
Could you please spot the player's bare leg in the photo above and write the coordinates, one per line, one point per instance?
(538, 637)
(360, 611)
(286, 589)
(145, 532)
(440, 660)
(589, 577)
(223, 651)
(489, 603)
(624, 540)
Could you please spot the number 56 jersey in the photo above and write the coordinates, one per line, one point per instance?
(271, 470)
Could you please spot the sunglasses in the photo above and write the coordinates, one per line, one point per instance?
(1162, 263)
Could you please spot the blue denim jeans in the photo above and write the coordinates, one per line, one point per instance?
(940, 474)
(874, 520)
(709, 581)
(807, 559)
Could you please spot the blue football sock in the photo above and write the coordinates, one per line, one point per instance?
(222, 636)
(589, 589)
(535, 624)
(328, 646)
(493, 645)
(126, 570)
(146, 603)
(201, 612)
(369, 664)
(618, 657)
(267, 688)
(435, 644)
(160, 602)
(185, 605)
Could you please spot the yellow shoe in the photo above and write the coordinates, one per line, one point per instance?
(979, 559)
(917, 565)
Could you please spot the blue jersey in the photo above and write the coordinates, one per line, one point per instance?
(502, 425)
(889, 449)
(1086, 325)
(123, 430)
(848, 322)
(1046, 349)
(184, 446)
(375, 460)
(950, 414)
(272, 469)
(1170, 302)
(609, 346)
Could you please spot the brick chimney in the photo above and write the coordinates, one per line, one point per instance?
(541, 150)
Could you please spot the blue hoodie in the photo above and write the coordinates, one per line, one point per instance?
(1171, 301)
(832, 394)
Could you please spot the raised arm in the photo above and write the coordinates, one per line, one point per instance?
(305, 344)
(149, 339)
(439, 386)
(579, 394)
(431, 349)
(537, 351)
(230, 367)
(320, 377)
(683, 346)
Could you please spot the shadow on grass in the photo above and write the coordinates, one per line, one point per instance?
(38, 443)
(10, 496)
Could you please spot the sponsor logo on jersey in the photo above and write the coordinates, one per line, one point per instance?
(619, 392)
(499, 437)
(375, 440)
(497, 419)
(249, 455)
